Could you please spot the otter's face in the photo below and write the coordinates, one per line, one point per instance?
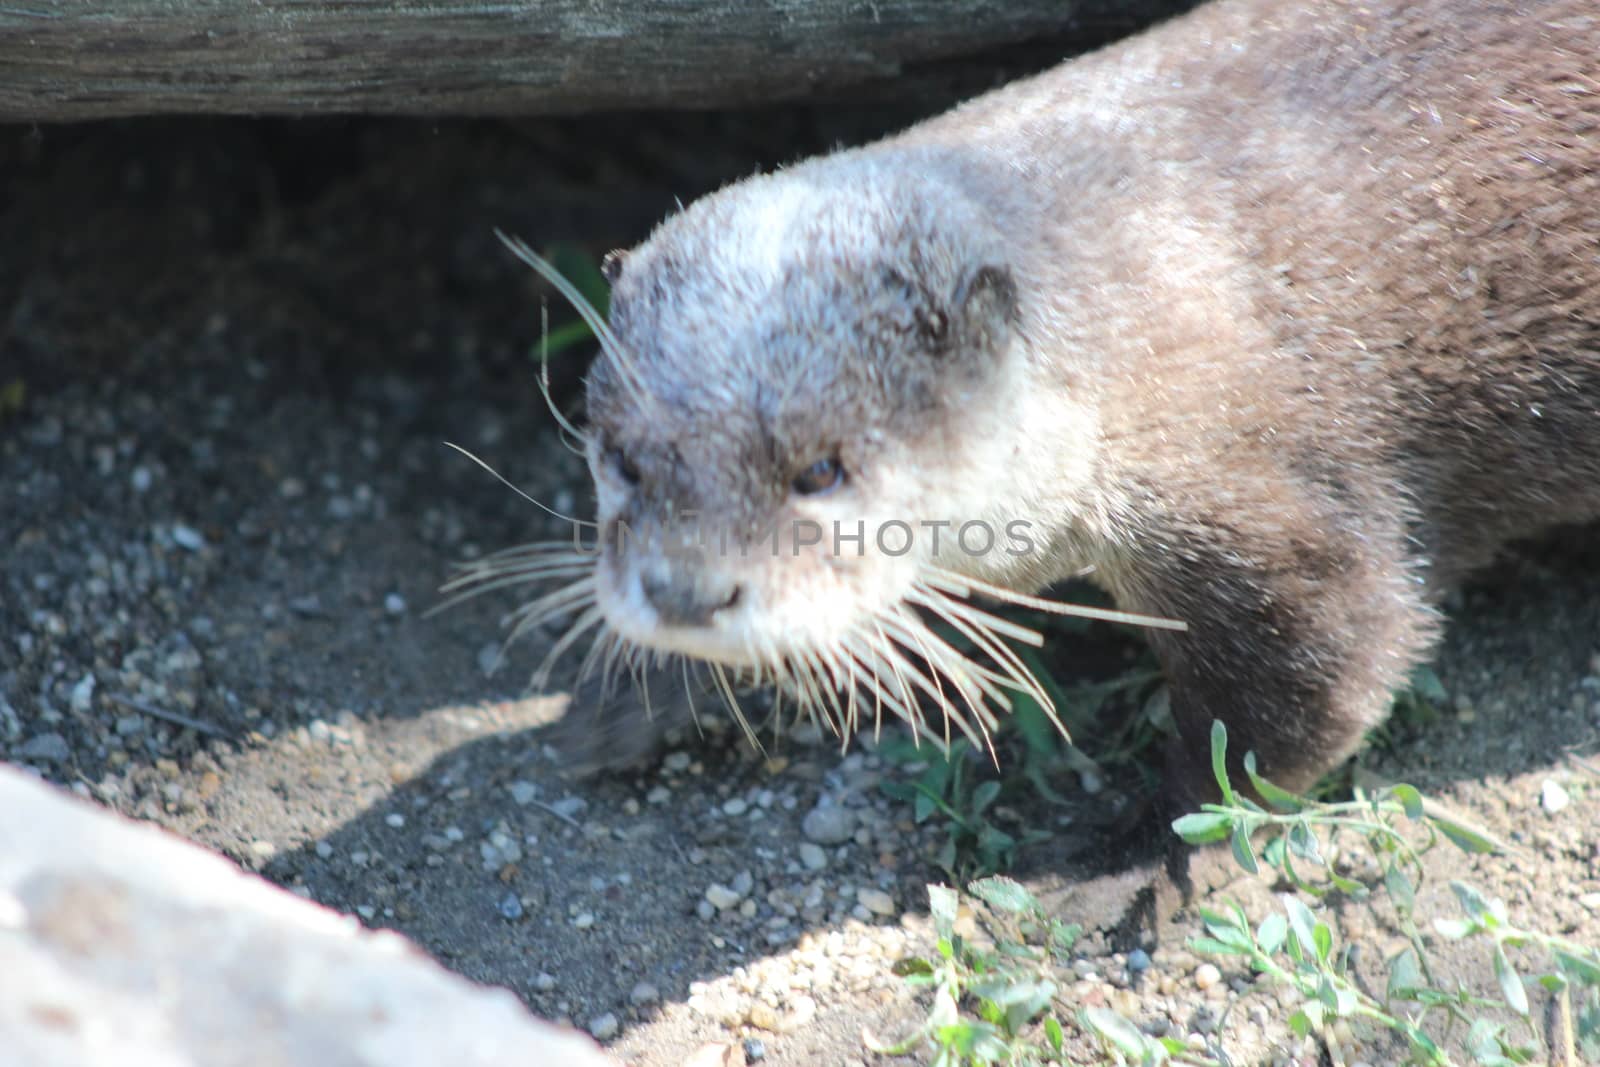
(807, 376)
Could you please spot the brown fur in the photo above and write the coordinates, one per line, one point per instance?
(1311, 289)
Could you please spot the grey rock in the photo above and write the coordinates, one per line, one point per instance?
(829, 824)
(52, 748)
(91, 904)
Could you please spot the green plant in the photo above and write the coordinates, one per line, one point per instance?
(996, 1004)
(949, 786)
(993, 1003)
(1005, 991)
(1296, 949)
(581, 269)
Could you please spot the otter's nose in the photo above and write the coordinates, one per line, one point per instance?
(687, 596)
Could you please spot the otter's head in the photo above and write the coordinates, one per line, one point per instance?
(807, 374)
(815, 422)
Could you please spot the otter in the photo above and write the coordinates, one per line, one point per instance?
(1275, 320)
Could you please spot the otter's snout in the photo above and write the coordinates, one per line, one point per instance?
(684, 595)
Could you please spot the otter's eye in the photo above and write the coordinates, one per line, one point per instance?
(821, 476)
(621, 465)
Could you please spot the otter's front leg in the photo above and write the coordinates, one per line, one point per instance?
(1298, 634)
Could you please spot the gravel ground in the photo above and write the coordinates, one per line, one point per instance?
(229, 356)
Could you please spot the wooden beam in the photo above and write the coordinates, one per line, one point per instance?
(89, 59)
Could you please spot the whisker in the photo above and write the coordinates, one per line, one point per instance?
(508, 484)
(628, 373)
(581, 625)
(464, 589)
(558, 602)
(944, 659)
(720, 676)
(976, 625)
(544, 380)
(963, 586)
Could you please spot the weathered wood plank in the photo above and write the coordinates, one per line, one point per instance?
(82, 59)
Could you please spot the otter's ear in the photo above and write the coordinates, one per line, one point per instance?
(611, 265)
(987, 295)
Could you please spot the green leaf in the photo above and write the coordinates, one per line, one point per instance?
(1425, 683)
(1064, 935)
(1410, 800)
(1271, 933)
(1303, 924)
(1349, 886)
(943, 904)
(1240, 843)
(1052, 1033)
(1454, 929)
(1400, 889)
(1580, 969)
(1212, 946)
(1474, 903)
(1511, 986)
(1424, 1044)
(1117, 1032)
(1219, 759)
(1324, 939)
(1469, 841)
(984, 795)
(1004, 893)
(1277, 796)
(912, 965)
(1204, 827)
(1303, 843)
(581, 269)
(1405, 976)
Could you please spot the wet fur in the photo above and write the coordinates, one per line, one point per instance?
(1307, 298)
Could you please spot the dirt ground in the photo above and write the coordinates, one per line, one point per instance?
(230, 356)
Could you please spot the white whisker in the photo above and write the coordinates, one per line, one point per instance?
(963, 586)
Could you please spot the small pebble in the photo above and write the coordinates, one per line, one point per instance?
(1553, 798)
(1138, 960)
(812, 857)
(395, 820)
(721, 897)
(1206, 975)
(511, 907)
(584, 920)
(876, 901)
(604, 1027)
(187, 537)
(755, 1050)
(394, 604)
(52, 748)
(83, 695)
(642, 994)
(735, 807)
(829, 824)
